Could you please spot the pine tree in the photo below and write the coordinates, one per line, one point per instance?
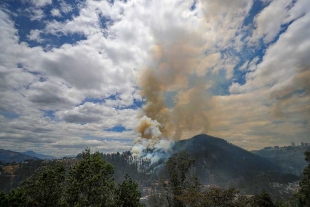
(178, 167)
(304, 192)
(128, 193)
(44, 188)
(90, 182)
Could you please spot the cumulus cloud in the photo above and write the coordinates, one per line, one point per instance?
(55, 12)
(69, 95)
(41, 3)
(35, 36)
(35, 14)
(65, 8)
(279, 86)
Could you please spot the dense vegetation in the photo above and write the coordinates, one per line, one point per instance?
(180, 187)
(92, 180)
(289, 158)
(88, 183)
(220, 163)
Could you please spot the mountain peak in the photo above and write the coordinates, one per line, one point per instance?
(41, 156)
(218, 155)
(8, 156)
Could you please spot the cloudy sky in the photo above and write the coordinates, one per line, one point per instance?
(70, 70)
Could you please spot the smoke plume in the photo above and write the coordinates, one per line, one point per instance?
(178, 68)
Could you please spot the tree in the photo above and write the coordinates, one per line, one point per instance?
(304, 193)
(157, 197)
(262, 200)
(178, 167)
(187, 191)
(3, 199)
(90, 182)
(44, 188)
(128, 194)
(15, 198)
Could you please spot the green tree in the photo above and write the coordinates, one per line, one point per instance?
(15, 198)
(44, 188)
(3, 199)
(90, 182)
(128, 194)
(213, 197)
(178, 167)
(157, 197)
(262, 200)
(303, 195)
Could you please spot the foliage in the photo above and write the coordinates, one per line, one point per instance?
(22, 171)
(303, 195)
(262, 200)
(183, 189)
(214, 197)
(3, 199)
(158, 197)
(90, 182)
(125, 163)
(178, 167)
(44, 188)
(15, 198)
(128, 194)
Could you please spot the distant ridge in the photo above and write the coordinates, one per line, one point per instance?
(216, 157)
(40, 156)
(7, 156)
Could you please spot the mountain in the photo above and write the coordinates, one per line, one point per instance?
(7, 156)
(290, 159)
(220, 163)
(41, 156)
(217, 160)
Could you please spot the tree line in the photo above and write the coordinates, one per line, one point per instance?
(90, 182)
(180, 187)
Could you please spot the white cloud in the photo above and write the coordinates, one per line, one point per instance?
(276, 91)
(64, 7)
(108, 62)
(55, 13)
(269, 21)
(41, 3)
(35, 14)
(35, 35)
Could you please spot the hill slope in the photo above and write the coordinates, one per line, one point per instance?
(7, 156)
(220, 160)
(290, 159)
(41, 156)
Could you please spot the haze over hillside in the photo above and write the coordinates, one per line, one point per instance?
(289, 158)
(217, 163)
(7, 156)
(41, 156)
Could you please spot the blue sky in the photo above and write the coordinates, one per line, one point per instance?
(71, 71)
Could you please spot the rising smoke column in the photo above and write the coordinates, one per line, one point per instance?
(179, 67)
(184, 54)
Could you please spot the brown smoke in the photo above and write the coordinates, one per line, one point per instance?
(285, 96)
(177, 67)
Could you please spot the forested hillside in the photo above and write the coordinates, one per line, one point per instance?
(289, 158)
(90, 182)
(217, 163)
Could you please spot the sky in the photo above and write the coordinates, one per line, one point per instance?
(72, 73)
